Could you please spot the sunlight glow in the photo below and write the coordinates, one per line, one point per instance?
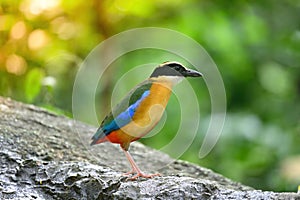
(36, 7)
(37, 39)
(18, 31)
(64, 28)
(16, 64)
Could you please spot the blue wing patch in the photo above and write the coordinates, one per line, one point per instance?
(122, 113)
(125, 117)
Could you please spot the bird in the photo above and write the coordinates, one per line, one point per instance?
(140, 110)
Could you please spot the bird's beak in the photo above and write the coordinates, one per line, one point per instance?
(192, 73)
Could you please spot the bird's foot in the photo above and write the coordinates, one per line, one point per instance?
(129, 173)
(135, 169)
(140, 174)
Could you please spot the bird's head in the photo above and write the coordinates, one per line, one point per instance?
(173, 71)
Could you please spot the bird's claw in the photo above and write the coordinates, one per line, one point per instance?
(143, 176)
(128, 173)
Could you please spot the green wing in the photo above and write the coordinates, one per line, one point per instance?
(121, 114)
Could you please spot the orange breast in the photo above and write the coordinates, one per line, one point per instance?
(146, 116)
(152, 108)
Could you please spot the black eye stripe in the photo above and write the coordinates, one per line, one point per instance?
(169, 69)
(176, 67)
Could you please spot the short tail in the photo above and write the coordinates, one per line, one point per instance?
(93, 142)
(98, 141)
(99, 137)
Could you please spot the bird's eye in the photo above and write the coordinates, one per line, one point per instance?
(179, 68)
(176, 67)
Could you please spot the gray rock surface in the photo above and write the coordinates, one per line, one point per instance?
(45, 156)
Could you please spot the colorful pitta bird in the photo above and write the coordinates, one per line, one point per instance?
(141, 109)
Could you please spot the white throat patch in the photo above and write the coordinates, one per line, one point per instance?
(171, 79)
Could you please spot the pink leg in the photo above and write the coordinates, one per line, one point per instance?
(136, 169)
(133, 169)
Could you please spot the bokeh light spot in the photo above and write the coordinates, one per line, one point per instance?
(37, 39)
(290, 168)
(16, 64)
(36, 7)
(64, 28)
(274, 78)
(18, 31)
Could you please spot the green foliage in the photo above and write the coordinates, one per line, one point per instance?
(255, 44)
(33, 82)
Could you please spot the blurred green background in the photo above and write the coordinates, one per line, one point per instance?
(255, 44)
